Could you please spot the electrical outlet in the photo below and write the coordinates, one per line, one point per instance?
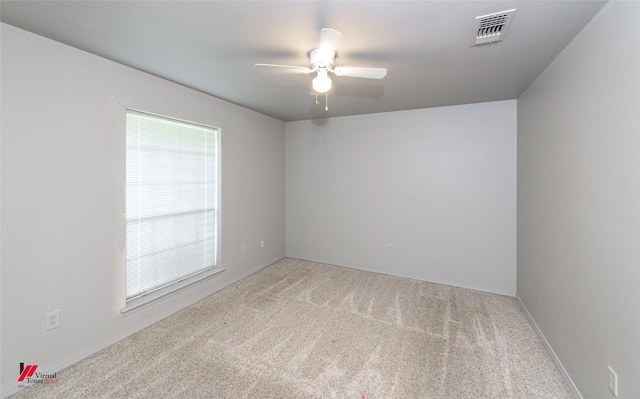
(52, 320)
(389, 248)
(613, 382)
(244, 249)
(262, 244)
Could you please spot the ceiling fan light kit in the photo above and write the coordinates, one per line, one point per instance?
(322, 60)
(322, 82)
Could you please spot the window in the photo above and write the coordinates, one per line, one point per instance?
(171, 204)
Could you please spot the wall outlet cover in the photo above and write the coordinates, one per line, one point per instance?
(613, 382)
(52, 320)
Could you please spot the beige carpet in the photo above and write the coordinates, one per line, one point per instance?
(300, 329)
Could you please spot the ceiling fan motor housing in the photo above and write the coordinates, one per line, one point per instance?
(322, 58)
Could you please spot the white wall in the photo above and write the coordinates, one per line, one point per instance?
(437, 184)
(63, 197)
(579, 203)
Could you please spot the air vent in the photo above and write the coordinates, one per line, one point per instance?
(491, 28)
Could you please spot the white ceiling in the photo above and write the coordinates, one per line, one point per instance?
(212, 46)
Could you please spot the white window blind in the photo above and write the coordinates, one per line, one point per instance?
(171, 201)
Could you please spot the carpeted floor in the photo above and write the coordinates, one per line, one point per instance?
(300, 329)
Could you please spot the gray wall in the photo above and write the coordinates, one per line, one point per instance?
(63, 197)
(578, 203)
(437, 184)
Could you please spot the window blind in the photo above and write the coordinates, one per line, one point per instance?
(171, 201)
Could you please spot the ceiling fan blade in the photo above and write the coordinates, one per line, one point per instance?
(330, 39)
(357, 72)
(292, 68)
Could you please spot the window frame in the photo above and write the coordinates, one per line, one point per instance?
(181, 284)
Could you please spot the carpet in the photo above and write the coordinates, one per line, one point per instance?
(300, 329)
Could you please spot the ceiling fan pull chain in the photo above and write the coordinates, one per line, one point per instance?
(326, 101)
(317, 102)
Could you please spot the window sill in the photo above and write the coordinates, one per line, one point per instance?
(149, 299)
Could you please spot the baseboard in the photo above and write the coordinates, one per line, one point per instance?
(552, 353)
(56, 368)
(434, 281)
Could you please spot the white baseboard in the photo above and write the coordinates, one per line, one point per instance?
(434, 281)
(552, 353)
(56, 368)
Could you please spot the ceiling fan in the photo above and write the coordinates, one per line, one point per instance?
(322, 62)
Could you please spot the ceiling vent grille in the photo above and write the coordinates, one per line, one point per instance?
(491, 28)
